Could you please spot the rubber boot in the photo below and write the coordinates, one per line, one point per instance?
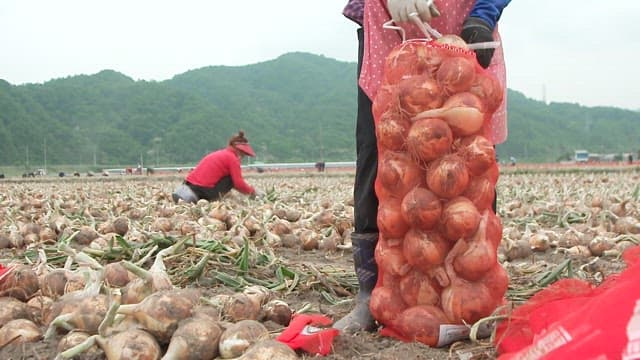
(360, 317)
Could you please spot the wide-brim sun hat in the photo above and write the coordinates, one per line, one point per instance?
(245, 148)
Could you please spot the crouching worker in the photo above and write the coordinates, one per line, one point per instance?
(217, 173)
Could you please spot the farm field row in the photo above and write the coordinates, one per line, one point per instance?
(296, 240)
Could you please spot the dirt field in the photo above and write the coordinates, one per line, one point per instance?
(317, 207)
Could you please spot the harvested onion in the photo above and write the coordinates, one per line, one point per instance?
(481, 191)
(405, 60)
(238, 337)
(421, 208)
(269, 350)
(456, 74)
(277, 311)
(398, 173)
(390, 220)
(195, 338)
(392, 130)
(424, 250)
(11, 309)
(386, 99)
(453, 40)
(75, 338)
(460, 218)
(20, 282)
(428, 139)
(422, 323)
(447, 176)
(241, 307)
(130, 344)
(419, 93)
(478, 152)
(391, 258)
(160, 312)
(385, 304)
(466, 301)
(463, 112)
(19, 331)
(489, 90)
(81, 310)
(417, 288)
(475, 256)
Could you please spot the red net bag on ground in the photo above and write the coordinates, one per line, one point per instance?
(572, 319)
(437, 250)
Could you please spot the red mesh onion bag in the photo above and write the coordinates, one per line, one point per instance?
(437, 251)
(572, 319)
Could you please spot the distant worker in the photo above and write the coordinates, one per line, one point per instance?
(217, 173)
(513, 161)
(630, 158)
(320, 166)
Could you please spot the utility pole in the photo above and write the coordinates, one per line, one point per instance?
(157, 141)
(45, 155)
(27, 156)
(321, 143)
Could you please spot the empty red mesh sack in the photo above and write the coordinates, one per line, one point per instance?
(571, 319)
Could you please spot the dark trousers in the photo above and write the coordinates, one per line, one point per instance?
(365, 199)
(223, 186)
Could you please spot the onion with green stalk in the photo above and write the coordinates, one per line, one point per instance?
(149, 281)
(78, 310)
(19, 331)
(75, 338)
(160, 312)
(129, 344)
(195, 338)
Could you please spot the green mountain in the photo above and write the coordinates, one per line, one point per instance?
(298, 107)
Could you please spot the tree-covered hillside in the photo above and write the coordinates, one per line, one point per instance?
(540, 132)
(298, 107)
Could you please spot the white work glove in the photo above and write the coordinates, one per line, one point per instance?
(401, 10)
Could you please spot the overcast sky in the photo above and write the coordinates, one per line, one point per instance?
(579, 51)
